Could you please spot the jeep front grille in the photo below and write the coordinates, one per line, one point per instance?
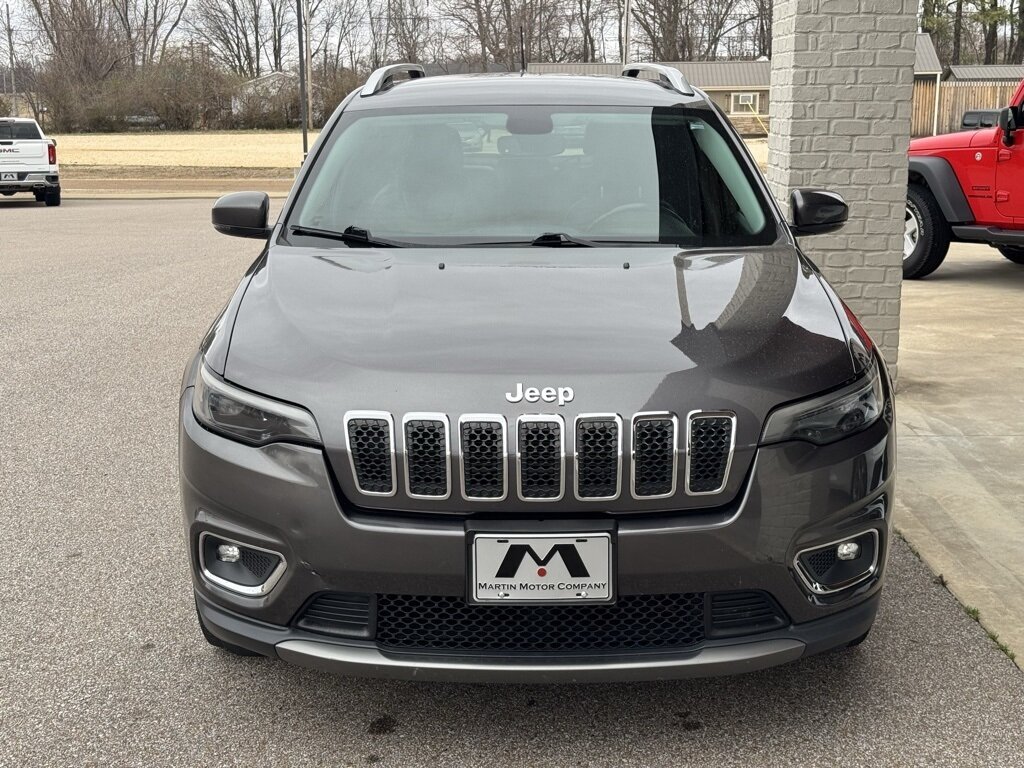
(591, 451)
(709, 448)
(654, 455)
(372, 451)
(484, 451)
(541, 457)
(427, 456)
(598, 457)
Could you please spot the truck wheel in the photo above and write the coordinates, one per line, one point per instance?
(1013, 253)
(52, 197)
(926, 235)
(40, 195)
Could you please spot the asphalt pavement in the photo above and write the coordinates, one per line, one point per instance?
(101, 660)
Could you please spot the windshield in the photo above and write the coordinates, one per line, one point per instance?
(509, 175)
(19, 131)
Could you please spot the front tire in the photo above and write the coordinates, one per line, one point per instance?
(40, 195)
(926, 234)
(1013, 253)
(857, 641)
(216, 642)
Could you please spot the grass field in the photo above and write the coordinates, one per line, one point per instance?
(213, 150)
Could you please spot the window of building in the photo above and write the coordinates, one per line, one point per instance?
(746, 103)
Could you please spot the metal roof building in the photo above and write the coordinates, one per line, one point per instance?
(738, 75)
(1011, 73)
(926, 61)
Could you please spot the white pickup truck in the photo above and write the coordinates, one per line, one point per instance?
(28, 161)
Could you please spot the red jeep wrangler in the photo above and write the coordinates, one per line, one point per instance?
(966, 186)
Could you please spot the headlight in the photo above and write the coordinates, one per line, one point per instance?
(830, 417)
(248, 417)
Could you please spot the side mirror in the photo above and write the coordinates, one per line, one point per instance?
(817, 211)
(1008, 119)
(242, 214)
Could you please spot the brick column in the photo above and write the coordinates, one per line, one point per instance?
(842, 85)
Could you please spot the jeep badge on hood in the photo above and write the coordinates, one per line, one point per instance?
(561, 395)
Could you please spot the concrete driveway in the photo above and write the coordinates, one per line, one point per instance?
(103, 664)
(960, 409)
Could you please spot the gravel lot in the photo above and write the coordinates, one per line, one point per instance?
(100, 656)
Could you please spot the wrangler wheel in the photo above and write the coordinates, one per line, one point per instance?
(926, 234)
(1013, 253)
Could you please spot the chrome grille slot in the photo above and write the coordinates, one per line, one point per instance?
(709, 447)
(427, 455)
(540, 456)
(371, 449)
(483, 448)
(654, 455)
(598, 457)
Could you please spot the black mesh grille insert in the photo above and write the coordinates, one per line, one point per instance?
(597, 458)
(337, 613)
(259, 564)
(483, 459)
(818, 563)
(635, 622)
(370, 443)
(653, 456)
(743, 613)
(540, 459)
(426, 455)
(710, 443)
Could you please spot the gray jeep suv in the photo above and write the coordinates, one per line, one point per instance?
(531, 409)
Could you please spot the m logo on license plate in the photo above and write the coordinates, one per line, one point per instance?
(8, 177)
(542, 568)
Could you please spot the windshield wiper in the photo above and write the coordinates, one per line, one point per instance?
(350, 235)
(561, 240)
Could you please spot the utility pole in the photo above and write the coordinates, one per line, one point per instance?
(626, 14)
(10, 53)
(309, 63)
(303, 100)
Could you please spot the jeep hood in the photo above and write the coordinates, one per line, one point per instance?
(453, 330)
(946, 141)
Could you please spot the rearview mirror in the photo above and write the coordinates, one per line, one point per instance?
(817, 211)
(1008, 119)
(242, 214)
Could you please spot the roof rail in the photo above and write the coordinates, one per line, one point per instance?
(383, 78)
(667, 76)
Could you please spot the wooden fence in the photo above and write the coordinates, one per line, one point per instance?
(955, 98)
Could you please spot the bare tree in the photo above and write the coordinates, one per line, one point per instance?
(234, 30)
(683, 30)
(147, 27)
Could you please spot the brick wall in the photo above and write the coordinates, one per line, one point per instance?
(842, 84)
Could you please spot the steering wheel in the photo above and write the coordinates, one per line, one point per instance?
(628, 208)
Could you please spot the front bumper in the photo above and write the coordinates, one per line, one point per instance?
(282, 497)
(365, 659)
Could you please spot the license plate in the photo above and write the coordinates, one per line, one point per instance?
(8, 177)
(556, 568)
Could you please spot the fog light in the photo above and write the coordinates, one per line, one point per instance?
(848, 550)
(229, 553)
